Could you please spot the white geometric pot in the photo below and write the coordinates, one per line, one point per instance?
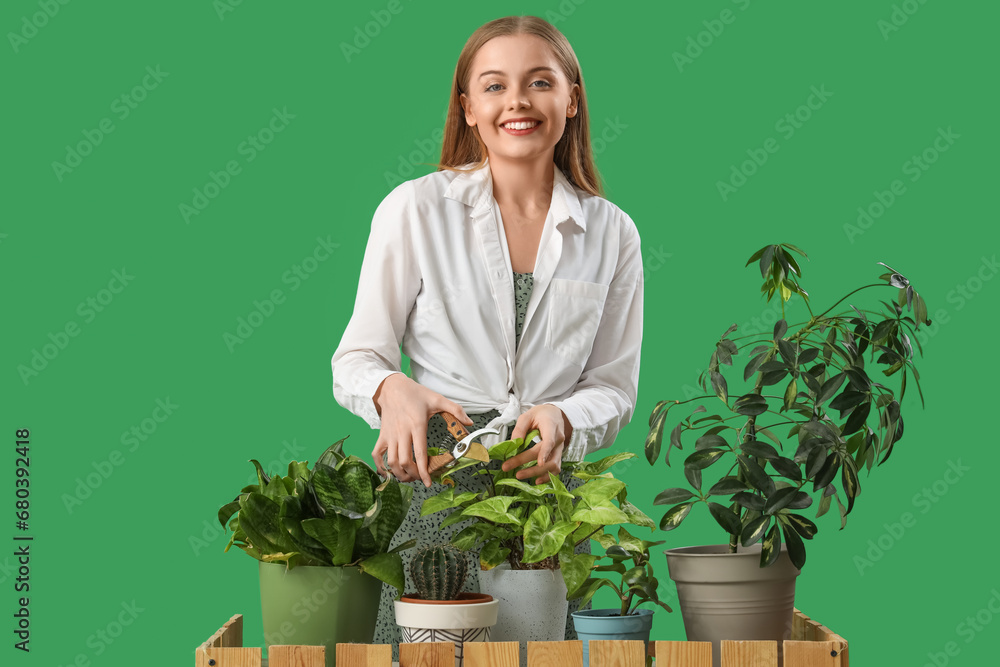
(467, 619)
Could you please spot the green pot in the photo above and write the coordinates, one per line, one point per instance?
(318, 606)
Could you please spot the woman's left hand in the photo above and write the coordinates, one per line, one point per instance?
(555, 431)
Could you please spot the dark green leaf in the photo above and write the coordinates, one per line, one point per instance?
(765, 260)
(693, 476)
(750, 501)
(787, 468)
(771, 547)
(779, 499)
(710, 442)
(754, 530)
(857, 419)
(815, 461)
(725, 518)
(703, 459)
(801, 501)
(803, 526)
(849, 480)
(796, 549)
(772, 377)
(654, 440)
(787, 351)
(752, 367)
(780, 328)
(720, 387)
(724, 487)
(758, 448)
(674, 516)
(848, 400)
(830, 388)
(672, 496)
(756, 475)
(750, 405)
(826, 473)
(790, 393)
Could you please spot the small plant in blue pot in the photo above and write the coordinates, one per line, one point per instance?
(626, 569)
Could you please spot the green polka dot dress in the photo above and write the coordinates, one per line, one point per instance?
(426, 529)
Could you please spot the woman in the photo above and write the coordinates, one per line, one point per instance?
(513, 286)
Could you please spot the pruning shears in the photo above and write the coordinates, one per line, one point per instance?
(466, 446)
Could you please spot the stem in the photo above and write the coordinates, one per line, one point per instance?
(588, 536)
(627, 603)
(849, 294)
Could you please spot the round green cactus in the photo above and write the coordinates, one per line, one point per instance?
(438, 572)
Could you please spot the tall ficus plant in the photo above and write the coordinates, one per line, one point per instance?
(812, 378)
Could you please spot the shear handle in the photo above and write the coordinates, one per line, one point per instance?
(458, 431)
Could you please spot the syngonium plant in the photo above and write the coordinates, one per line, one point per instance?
(840, 415)
(536, 526)
(339, 513)
(633, 584)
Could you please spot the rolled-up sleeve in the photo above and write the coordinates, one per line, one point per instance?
(369, 350)
(604, 398)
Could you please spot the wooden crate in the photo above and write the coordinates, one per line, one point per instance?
(811, 645)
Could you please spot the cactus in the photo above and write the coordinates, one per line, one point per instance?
(438, 572)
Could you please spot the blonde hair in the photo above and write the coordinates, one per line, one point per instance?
(462, 144)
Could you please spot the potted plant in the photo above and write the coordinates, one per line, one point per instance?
(525, 531)
(439, 610)
(322, 538)
(627, 562)
(775, 450)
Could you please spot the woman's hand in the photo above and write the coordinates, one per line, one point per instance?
(405, 406)
(555, 431)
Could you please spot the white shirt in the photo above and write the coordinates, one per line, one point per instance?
(437, 278)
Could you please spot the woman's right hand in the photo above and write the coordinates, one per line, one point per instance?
(405, 406)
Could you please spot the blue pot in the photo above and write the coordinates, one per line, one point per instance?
(607, 624)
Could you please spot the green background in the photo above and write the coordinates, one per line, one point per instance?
(147, 536)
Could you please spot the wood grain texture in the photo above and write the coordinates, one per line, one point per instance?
(813, 654)
(492, 654)
(230, 634)
(296, 656)
(683, 654)
(749, 654)
(227, 657)
(555, 654)
(427, 654)
(363, 655)
(617, 653)
(436, 463)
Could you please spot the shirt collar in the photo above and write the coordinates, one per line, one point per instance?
(475, 189)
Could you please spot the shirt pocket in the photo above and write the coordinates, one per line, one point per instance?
(575, 309)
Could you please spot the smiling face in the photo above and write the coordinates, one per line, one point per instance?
(518, 77)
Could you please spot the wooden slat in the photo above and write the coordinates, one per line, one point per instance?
(296, 656)
(364, 655)
(227, 657)
(806, 629)
(617, 653)
(492, 654)
(813, 654)
(683, 654)
(555, 654)
(749, 654)
(230, 634)
(427, 654)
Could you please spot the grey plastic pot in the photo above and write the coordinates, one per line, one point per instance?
(603, 624)
(729, 596)
(321, 606)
